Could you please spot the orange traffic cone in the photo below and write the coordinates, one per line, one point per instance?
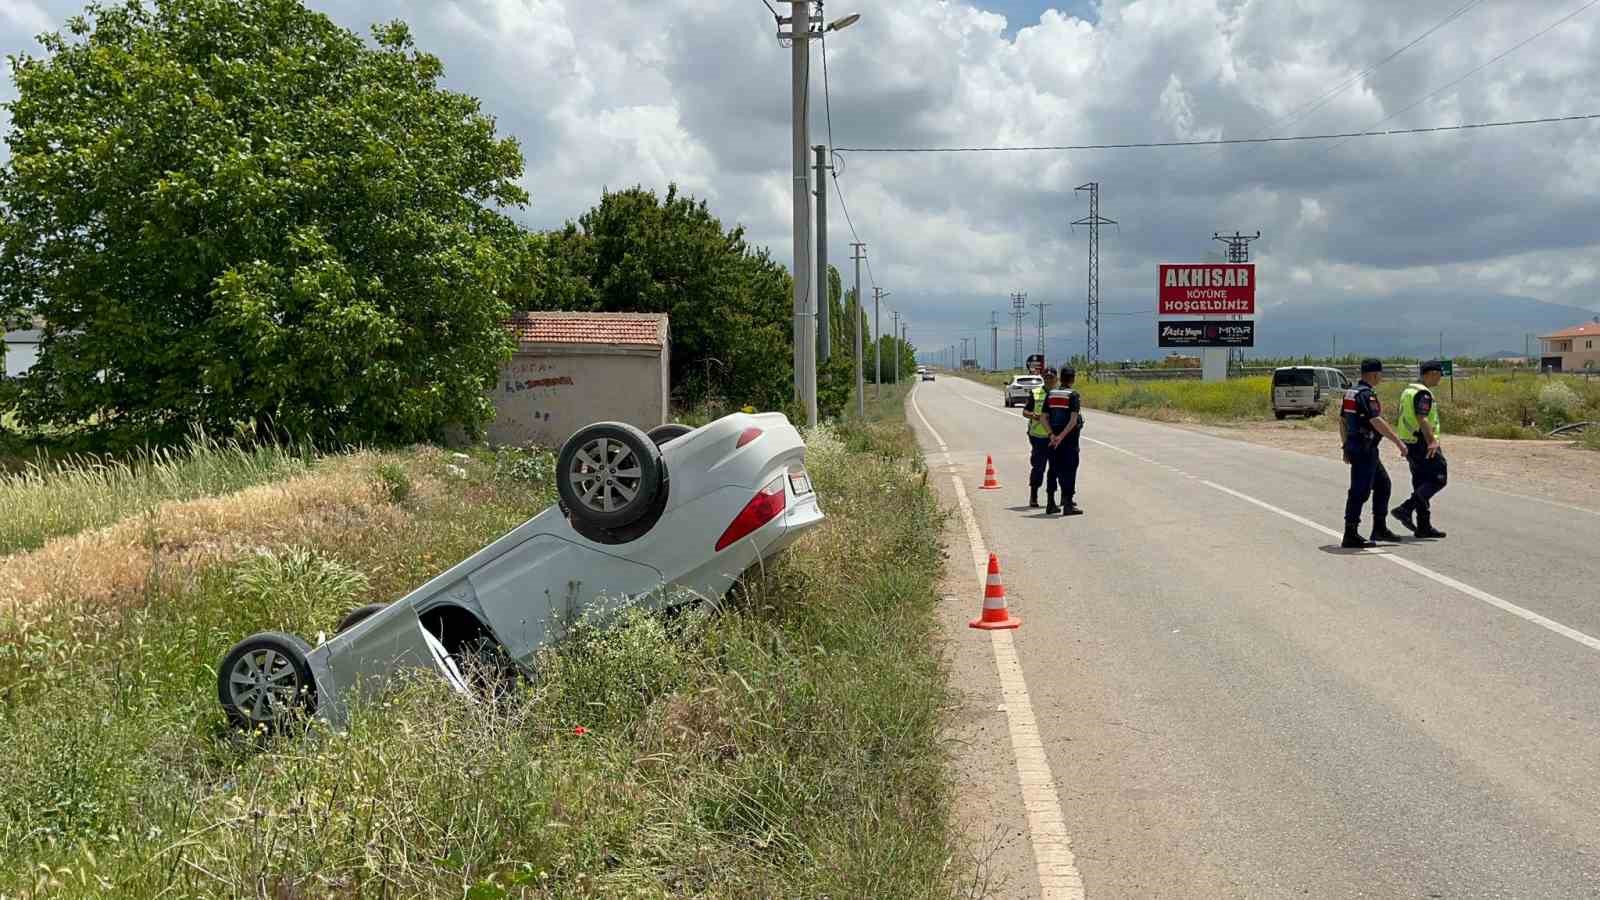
(989, 481)
(995, 615)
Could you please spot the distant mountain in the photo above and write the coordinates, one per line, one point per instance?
(1406, 325)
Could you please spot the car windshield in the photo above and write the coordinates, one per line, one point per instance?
(1293, 378)
(1024, 380)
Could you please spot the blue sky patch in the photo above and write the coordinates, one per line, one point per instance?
(1022, 13)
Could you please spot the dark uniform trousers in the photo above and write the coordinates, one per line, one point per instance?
(1064, 466)
(1428, 476)
(1368, 478)
(1037, 460)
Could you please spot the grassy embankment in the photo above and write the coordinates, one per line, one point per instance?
(1514, 406)
(786, 747)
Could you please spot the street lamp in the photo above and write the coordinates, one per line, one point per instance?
(802, 25)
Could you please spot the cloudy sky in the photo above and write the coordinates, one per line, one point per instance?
(612, 93)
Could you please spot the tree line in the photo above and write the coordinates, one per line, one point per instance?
(236, 215)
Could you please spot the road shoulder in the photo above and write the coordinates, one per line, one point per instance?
(989, 812)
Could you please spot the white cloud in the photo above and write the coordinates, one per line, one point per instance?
(614, 92)
(24, 16)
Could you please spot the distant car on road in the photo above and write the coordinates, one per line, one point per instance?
(1021, 388)
(1305, 390)
(925, 372)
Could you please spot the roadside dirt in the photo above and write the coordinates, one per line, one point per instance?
(989, 812)
(1557, 471)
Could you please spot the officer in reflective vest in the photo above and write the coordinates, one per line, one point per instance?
(1419, 428)
(1039, 438)
(1065, 418)
(1362, 426)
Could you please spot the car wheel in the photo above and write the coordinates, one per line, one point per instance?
(609, 474)
(265, 679)
(1280, 414)
(357, 615)
(668, 432)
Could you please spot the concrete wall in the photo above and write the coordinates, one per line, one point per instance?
(544, 394)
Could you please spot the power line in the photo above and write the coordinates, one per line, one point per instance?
(827, 105)
(1514, 48)
(1319, 102)
(1221, 141)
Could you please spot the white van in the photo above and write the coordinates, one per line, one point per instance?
(1306, 390)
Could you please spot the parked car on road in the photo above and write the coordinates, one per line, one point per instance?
(925, 372)
(623, 533)
(1021, 388)
(1305, 390)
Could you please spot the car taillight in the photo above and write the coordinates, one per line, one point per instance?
(746, 436)
(763, 508)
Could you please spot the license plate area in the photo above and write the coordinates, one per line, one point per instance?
(799, 482)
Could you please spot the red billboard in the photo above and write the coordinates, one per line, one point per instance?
(1208, 289)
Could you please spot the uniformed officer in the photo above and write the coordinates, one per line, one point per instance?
(1419, 428)
(1039, 438)
(1065, 410)
(1362, 426)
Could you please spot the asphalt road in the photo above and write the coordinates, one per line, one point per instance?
(1232, 706)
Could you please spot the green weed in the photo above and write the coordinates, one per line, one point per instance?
(785, 747)
(393, 481)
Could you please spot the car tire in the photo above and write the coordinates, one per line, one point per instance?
(609, 474)
(671, 431)
(1280, 414)
(355, 616)
(265, 680)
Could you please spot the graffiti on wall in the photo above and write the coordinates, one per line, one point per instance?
(529, 367)
(517, 385)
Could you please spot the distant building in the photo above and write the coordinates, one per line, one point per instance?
(22, 351)
(572, 369)
(1571, 349)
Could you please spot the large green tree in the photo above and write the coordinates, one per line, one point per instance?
(729, 303)
(234, 211)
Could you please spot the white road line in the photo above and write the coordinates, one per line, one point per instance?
(1586, 640)
(1047, 828)
(1506, 605)
(1581, 509)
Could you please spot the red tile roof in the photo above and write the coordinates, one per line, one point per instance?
(614, 329)
(1587, 329)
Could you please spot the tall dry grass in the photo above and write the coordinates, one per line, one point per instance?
(61, 497)
(784, 747)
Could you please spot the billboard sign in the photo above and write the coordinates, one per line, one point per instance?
(1207, 289)
(1202, 333)
(1035, 363)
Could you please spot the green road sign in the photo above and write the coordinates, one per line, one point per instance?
(1449, 368)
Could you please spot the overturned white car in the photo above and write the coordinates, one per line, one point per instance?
(662, 518)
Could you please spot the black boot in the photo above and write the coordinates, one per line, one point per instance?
(1353, 539)
(1425, 527)
(1381, 532)
(1050, 505)
(1070, 508)
(1033, 498)
(1403, 514)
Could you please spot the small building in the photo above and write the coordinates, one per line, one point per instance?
(1571, 349)
(21, 351)
(572, 368)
